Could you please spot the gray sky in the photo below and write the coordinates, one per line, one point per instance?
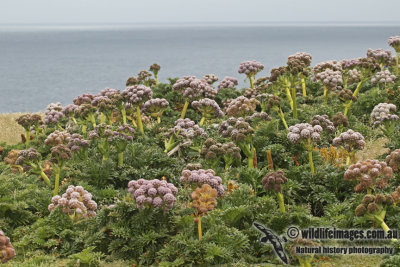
(147, 11)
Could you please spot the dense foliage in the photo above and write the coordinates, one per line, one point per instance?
(140, 176)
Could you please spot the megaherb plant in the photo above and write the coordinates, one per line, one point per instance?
(250, 69)
(135, 96)
(29, 122)
(192, 89)
(153, 224)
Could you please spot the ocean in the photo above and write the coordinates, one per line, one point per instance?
(41, 65)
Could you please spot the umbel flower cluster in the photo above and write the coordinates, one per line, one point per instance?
(396, 195)
(192, 88)
(57, 137)
(383, 113)
(330, 79)
(324, 122)
(228, 82)
(137, 94)
(201, 176)
(204, 199)
(354, 76)
(273, 181)
(29, 120)
(370, 174)
(186, 129)
(303, 132)
(210, 78)
(347, 95)
(393, 160)
(53, 114)
(153, 193)
(339, 120)
(237, 129)
(208, 109)
(77, 143)
(212, 152)
(306, 134)
(394, 42)
(6, 249)
(373, 206)
(76, 202)
(250, 69)
(155, 107)
(370, 203)
(382, 57)
(299, 63)
(350, 140)
(383, 77)
(241, 106)
(330, 64)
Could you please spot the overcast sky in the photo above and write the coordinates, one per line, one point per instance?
(172, 11)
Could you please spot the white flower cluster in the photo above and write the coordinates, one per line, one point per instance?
(329, 78)
(201, 177)
(53, 113)
(137, 94)
(330, 64)
(228, 82)
(241, 106)
(354, 76)
(304, 131)
(153, 193)
(383, 77)
(324, 122)
(381, 56)
(186, 129)
(383, 112)
(208, 108)
(210, 78)
(394, 42)
(350, 140)
(57, 137)
(193, 88)
(251, 67)
(76, 202)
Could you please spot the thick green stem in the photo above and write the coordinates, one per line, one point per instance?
(251, 78)
(369, 191)
(123, 112)
(104, 158)
(101, 117)
(156, 76)
(303, 85)
(120, 159)
(57, 180)
(84, 129)
(289, 96)
(184, 109)
(281, 202)
(199, 227)
(74, 120)
(294, 102)
(310, 156)
(251, 163)
(348, 106)
(139, 120)
(202, 121)
(325, 95)
(158, 119)
(45, 178)
(92, 120)
(28, 138)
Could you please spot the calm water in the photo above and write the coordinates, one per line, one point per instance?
(40, 66)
